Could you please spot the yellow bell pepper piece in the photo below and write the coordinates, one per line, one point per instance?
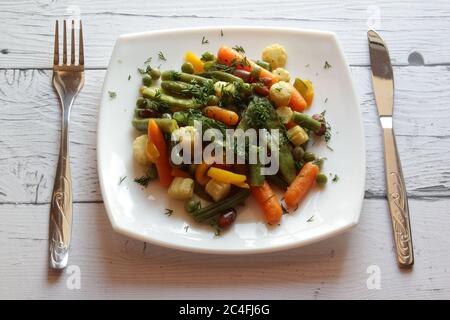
(195, 61)
(306, 89)
(227, 176)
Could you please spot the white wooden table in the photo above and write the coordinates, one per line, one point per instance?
(113, 266)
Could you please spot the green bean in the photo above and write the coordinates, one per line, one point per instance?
(264, 65)
(187, 67)
(203, 214)
(166, 125)
(222, 76)
(306, 121)
(173, 102)
(177, 87)
(185, 77)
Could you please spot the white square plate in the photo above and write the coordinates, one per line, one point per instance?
(140, 213)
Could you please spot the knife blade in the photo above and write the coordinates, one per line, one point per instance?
(383, 87)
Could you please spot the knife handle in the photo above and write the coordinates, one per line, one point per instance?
(398, 201)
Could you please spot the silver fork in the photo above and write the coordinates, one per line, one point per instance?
(68, 79)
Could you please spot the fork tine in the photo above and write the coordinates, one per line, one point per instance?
(72, 47)
(56, 46)
(65, 44)
(80, 45)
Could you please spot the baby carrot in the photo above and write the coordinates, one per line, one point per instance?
(297, 102)
(162, 162)
(268, 201)
(301, 185)
(228, 56)
(223, 115)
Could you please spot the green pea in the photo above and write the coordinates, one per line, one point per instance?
(155, 74)
(191, 205)
(309, 156)
(187, 67)
(147, 80)
(208, 56)
(213, 101)
(321, 179)
(298, 153)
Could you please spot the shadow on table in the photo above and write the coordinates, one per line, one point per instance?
(127, 261)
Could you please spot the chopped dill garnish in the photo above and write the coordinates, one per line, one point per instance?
(157, 94)
(112, 94)
(239, 49)
(148, 61)
(326, 100)
(168, 212)
(204, 40)
(327, 65)
(129, 77)
(327, 135)
(221, 32)
(335, 178)
(200, 93)
(161, 56)
(186, 228)
(145, 179)
(311, 219)
(121, 179)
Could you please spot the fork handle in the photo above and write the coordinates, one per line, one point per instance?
(398, 201)
(61, 202)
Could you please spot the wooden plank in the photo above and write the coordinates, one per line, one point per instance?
(406, 25)
(113, 266)
(29, 125)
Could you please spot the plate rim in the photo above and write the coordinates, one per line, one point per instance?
(244, 250)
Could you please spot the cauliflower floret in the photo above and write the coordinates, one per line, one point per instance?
(222, 86)
(139, 150)
(282, 74)
(275, 54)
(280, 93)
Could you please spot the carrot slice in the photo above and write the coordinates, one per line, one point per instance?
(228, 56)
(301, 185)
(269, 202)
(162, 162)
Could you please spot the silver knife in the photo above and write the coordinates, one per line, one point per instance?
(383, 87)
